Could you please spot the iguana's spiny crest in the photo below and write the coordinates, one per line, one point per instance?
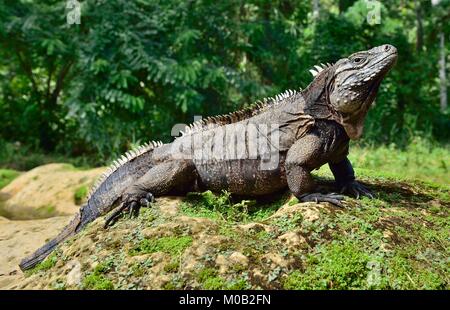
(354, 83)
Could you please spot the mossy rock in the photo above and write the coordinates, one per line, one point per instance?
(398, 240)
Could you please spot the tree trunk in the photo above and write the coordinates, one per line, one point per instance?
(316, 9)
(419, 32)
(442, 73)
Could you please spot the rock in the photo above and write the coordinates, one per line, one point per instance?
(29, 235)
(170, 205)
(223, 263)
(229, 263)
(46, 191)
(311, 214)
(239, 259)
(276, 260)
(293, 240)
(74, 276)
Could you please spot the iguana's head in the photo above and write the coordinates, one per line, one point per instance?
(354, 83)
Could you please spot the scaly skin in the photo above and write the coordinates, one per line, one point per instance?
(313, 128)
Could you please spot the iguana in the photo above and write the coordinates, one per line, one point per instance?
(255, 151)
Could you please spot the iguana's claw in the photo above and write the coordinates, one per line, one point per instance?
(332, 198)
(117, 213)
(356, 190)
(133, 209)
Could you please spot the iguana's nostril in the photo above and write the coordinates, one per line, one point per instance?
(387, 48)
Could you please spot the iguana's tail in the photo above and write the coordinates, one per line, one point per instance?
(103, 197)
(38, 256)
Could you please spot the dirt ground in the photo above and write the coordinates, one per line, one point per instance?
(34, 208)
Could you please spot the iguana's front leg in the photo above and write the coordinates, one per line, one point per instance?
(345, 179)
(305, 155)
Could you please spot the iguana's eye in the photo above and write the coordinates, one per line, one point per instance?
(358, 59)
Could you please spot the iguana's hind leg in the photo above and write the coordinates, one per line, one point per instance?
(134, 208)
(163, 178)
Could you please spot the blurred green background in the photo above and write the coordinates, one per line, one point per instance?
(132, 69)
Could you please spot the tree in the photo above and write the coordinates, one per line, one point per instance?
(42, 50)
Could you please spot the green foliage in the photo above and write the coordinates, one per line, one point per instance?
(210, 280)
(6, 176)
(23, 158)
(171, 245)
(80, 194)
(419, 160)
(97, 280)
(132, 69)
(223, 206)
(334, 266)
(45, 265)
(172, 266)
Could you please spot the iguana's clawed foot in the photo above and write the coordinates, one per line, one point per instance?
(356, 190)
(132, 206)
(332, 198)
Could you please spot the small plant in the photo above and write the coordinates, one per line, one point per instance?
(171, 245)
(210, 280)
(80, 194)
(96, 281)
(6, 176)
(172, 266)
(214, 206)
(45, 265)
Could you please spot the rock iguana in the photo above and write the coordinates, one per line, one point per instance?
(255, 151)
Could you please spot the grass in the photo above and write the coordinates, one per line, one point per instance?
(80, 194)
(6, 176)
(45, 265)
(97, 279)
(419, 160)
(332, 266)
(171, 245)
(210, 280)
(222, 206)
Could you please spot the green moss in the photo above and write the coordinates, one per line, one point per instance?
(224, 207)
(403, 274)
(171, 245)
(169, 286)
(69, 167)
(215, 283)
(287, 222)
(80, 194)
(293, 201)
(45, 265)
(47, 210)
(209, 279)
(104, 267)
(95, 281)
(6, 176)
(333, 266)
(240, 284)
(172, 266)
